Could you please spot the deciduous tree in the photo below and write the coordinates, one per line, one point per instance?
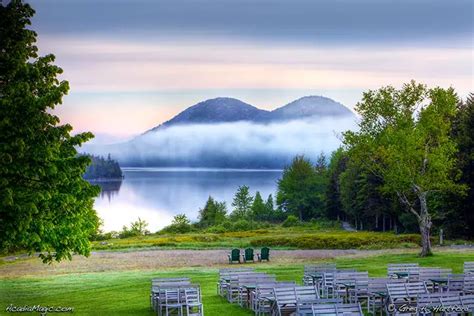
(45, 205)
(404, 138)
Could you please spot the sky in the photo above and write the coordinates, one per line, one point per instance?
(135, 64)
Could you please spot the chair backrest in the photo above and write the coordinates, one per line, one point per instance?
(469, 267)
(411, 269)
(455, 282)
(379, 285)
(235, 254)
(468, 285)
(429, 300)
(426, 274)
(468, 302)
(320, 267)
(454, 300)
(308, 292)
(265, 253)
(231, 270)
(337, 309)
(249, 254)
(284, 296)
(192, 296)
(411, 290)
(305, 306)
(168, 280)
(172, 296)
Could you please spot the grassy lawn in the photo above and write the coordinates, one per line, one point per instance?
(127, 293)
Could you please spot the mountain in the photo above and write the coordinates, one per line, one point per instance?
(310, 106)
(229, 133)
(218, 110)
(224, 110)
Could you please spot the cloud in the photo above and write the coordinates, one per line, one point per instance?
(302, 21)
(240, 144)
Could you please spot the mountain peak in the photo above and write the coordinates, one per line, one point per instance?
(226, 109)
(313, 105)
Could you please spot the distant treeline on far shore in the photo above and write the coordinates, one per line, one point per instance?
(103, 169)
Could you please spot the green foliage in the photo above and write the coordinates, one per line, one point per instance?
(46, 206)
(242, 203)
(213, 213)
(342, 240)
(137, 228)
(291, 221)
(102, 168)
(457, 216)
(180, 225)
(301, 189)
(404, 139)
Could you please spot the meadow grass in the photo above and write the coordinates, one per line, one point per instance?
(303, 237)
(127, 293)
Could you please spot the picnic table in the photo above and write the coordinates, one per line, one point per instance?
(402, 275)
(439, 282)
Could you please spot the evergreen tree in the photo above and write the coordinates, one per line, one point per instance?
(242, 203)
(259, 210)
(213, 213)
(301, 190)
(270, 209)
(46, 206)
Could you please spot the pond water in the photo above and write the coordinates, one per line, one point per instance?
(157, 194)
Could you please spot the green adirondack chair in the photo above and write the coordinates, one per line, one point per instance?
(248, 255)
(264, 254)
(234, 256)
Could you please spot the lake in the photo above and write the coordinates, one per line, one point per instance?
(157, 194)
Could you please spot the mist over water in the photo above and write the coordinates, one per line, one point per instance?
(230, 145)
(175, 169)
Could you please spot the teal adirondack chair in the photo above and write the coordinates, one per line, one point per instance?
(264, 254)
(234, 256)
(248, 255)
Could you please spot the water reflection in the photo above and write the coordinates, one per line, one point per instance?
(108, 189)
(156, 195)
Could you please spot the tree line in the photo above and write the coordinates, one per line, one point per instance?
(102, 168)
(408, 168)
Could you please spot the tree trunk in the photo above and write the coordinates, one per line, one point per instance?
(383, 223)
(424, 221)
(377, 221)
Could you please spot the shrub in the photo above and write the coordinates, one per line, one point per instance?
(218, 229)
(180, 228)
(242, 225)
(359, 240)
(291, 221)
